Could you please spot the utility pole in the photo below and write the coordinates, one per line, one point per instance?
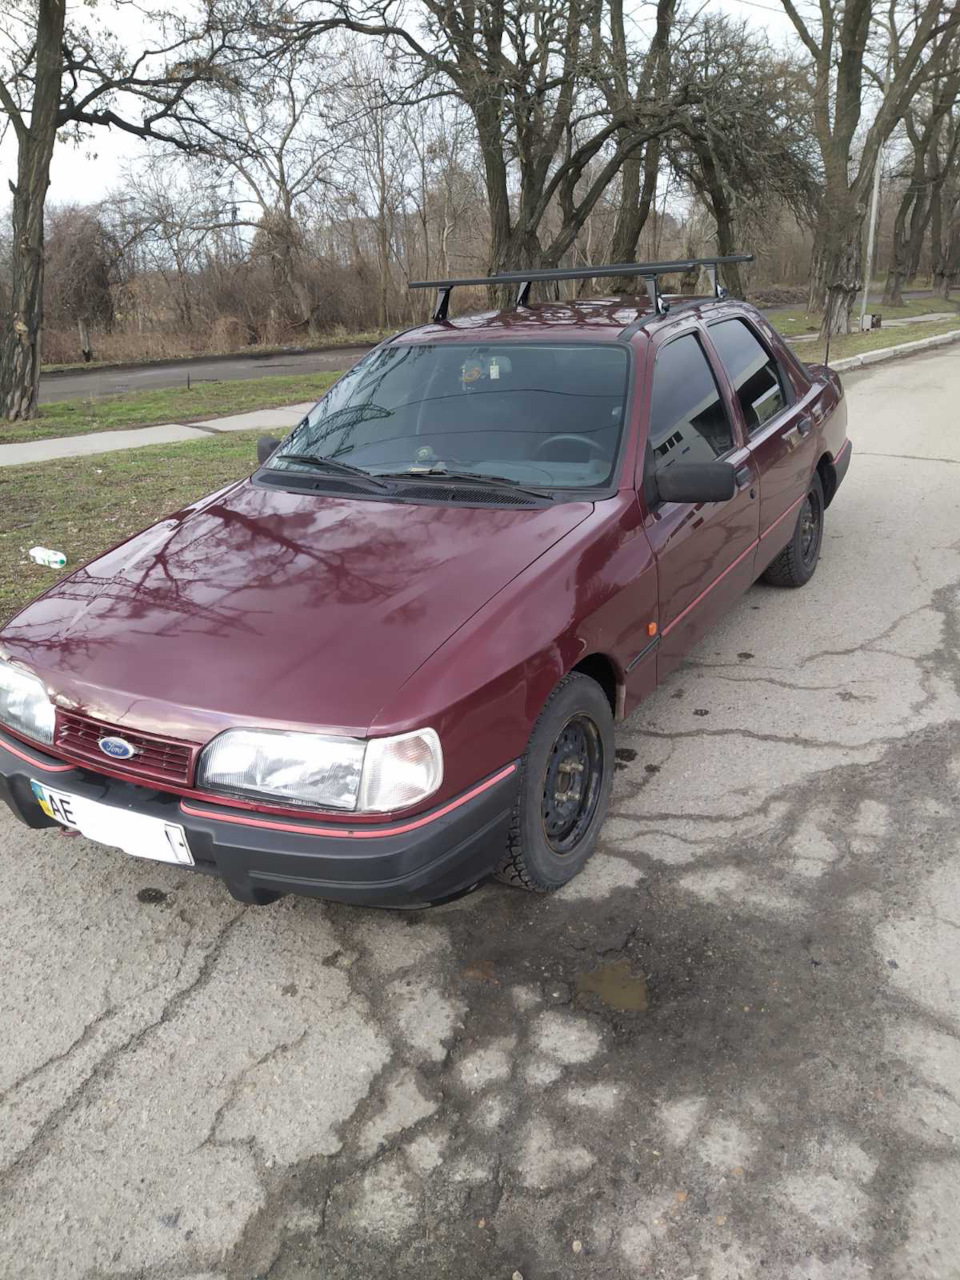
(874, 202)
(871, 237)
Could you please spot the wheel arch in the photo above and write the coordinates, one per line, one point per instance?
(828, 478)
(602, 668)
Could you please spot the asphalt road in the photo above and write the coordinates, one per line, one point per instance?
(152, 377)
(195, 1090)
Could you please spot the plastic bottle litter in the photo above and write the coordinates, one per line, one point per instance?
(52, 559)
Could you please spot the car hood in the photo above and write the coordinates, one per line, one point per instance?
(260, 606)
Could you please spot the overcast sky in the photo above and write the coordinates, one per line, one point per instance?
(88, 172)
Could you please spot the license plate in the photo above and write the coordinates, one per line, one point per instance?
(138, 834)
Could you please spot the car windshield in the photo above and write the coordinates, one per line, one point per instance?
(543, 415)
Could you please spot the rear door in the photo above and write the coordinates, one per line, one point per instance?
(778, 424)
(704, 551)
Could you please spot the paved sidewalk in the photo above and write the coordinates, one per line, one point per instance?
(12, 455)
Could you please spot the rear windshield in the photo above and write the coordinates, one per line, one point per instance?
(547, 415)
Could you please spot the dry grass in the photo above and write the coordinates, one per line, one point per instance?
(84, 506)
(61, 350)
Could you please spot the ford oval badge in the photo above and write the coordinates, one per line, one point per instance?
(119, 748)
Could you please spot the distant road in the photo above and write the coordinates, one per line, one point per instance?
(153, 377)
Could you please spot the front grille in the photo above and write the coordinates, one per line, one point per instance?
(160, 759)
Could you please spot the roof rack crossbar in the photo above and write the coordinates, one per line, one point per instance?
(647, 271)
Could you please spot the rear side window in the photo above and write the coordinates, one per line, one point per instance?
(752, 371)
(688, 420)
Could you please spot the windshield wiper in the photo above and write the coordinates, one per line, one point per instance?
(479, 478)
(333, 464)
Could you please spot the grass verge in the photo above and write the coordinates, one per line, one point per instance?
(84, 506)
(173, 404)
(792, 324)
(855, 344)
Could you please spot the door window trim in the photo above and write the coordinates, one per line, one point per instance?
(738, 444)
(786, 386)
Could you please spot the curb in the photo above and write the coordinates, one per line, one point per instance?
(883, 354)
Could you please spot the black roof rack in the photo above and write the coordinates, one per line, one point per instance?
(647, 271)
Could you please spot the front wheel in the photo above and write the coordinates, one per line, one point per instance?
(567, 776)
(797, 562)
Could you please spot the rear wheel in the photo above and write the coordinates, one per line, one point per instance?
(797, 562)
(567, 775)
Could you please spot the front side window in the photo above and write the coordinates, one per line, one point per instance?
(541, 415)
(688, 419)
(752, 371)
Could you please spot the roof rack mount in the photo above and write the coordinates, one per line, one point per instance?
(649, 272)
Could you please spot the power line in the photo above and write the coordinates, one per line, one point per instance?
(766, 7)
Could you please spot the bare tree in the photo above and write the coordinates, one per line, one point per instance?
(745, 150)
(83, 257)
(525, 70)
(276, 133)
(932, 155)
(57, 76)
(842, 70)
(629, 77)
(379, 154)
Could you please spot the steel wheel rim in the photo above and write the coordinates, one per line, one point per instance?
(810, 529)
(571, 784)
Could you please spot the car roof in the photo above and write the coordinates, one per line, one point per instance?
(609, 319)
(597, 319)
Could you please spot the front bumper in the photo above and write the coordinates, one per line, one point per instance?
(403, 863)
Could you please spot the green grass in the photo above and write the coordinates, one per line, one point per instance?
(84, 506)
(793, 323)
(174, 404)
(854, 344)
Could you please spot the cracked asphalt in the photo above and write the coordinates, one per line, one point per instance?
(730, 1049)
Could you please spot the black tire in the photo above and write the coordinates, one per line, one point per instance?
(797, 562)
(560, 809)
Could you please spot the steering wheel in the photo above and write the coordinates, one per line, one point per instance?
(594, 445)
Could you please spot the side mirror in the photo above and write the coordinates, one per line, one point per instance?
(266, 445)
(696, 482)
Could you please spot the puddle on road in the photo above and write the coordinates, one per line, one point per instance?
(617, 987)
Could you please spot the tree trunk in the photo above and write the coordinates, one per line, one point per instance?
(722, 212)
(947, 252)
(893, 289)
(838, 260)
(636, 197)
(83, 329)
(20, 354)
(383, 252)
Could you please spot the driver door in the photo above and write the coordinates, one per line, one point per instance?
(704, 551)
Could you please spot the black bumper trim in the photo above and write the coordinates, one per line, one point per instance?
(841, 464)
(430, 858)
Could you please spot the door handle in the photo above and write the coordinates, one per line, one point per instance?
(805, 426)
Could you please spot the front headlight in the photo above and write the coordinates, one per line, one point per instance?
(24, 704)
(313, 769)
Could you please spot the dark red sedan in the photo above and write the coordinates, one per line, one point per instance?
(389, 663)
